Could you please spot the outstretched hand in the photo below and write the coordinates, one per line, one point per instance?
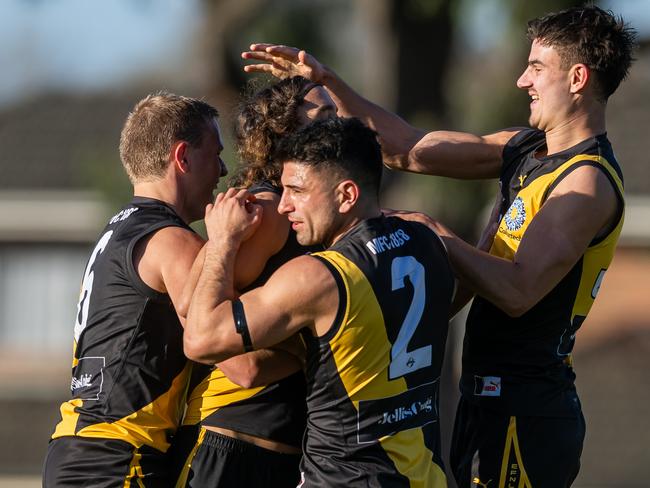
(420, 217)
(283, 62)
(233, 215)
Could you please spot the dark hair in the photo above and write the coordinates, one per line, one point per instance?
(592, 36)
(262, 120)
(154, 125)
(344, 146)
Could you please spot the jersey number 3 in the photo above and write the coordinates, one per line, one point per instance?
(403, 361)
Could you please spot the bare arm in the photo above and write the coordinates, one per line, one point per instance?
(464, 293)
(549, 248)
(164, 264)
(404, 147)
(256, 368)
(302, 293)
(268, 239)
(164, 259)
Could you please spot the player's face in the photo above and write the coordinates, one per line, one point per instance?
(317, 105)
(206, 167)
(548, 85)
(309, 202)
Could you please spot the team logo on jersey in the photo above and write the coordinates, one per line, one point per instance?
(383, 417)
(515, 215)
(487, 386)
(122, 215)
(88, 378)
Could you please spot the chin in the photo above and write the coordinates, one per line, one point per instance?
(303, 241)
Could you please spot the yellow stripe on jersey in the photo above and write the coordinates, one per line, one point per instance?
(151, 425)
(361, 352)
(214, 392)
(527, 204)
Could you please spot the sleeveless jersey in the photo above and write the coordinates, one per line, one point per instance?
(277, 411)
(373, 379)
(129, 374)
(522, 365)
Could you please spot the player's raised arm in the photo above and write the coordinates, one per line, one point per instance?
(404, 147)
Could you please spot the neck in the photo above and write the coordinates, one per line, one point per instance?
(371, 211)
(165, 193)
(575, 129)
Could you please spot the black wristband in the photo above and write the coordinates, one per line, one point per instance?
(241, 326)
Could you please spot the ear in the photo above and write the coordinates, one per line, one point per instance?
(179, 156)
(580, 75)
(348, 193)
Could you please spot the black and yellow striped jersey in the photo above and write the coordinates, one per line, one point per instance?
(277, 411)
(129, 374)
(523, 364)
(373, 379)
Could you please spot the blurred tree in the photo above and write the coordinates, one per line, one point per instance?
(438, 79)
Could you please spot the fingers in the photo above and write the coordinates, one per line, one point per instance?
(260, 46)
(275, 65)
(286, 52)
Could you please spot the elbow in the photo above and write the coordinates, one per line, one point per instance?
(193, 351)
(396, 161)
(517, 304)
(183, 307)
(244, 372)
(514, 310)
(245, 379)
(196, 348)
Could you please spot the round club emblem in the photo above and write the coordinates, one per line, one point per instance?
(516, 215)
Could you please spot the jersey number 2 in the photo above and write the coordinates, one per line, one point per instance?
(403, 361)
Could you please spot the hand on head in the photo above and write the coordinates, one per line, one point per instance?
(234, 215)
(420, 217)
(283, 62)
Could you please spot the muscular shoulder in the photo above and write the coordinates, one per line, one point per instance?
(167, 252)
(301, 293)
(305, 272)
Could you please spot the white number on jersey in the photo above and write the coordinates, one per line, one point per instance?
(404, 361)
(87, 286)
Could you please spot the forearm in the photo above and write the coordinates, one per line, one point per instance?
(260, 368)
(397, 136)
(214, 286)
(498, 280)
(190, 285)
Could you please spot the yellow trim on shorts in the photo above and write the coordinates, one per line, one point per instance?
(187, 465)
(512, 470)
(135, 471)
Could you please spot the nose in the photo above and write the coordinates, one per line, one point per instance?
(222, 167)
(524, 81)
(284, 205)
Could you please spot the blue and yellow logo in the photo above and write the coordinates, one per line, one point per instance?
(516, 215)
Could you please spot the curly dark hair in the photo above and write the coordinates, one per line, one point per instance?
(592, 36)
(343, 146)
(262, 120)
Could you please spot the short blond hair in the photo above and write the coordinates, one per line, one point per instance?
(154, 125)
